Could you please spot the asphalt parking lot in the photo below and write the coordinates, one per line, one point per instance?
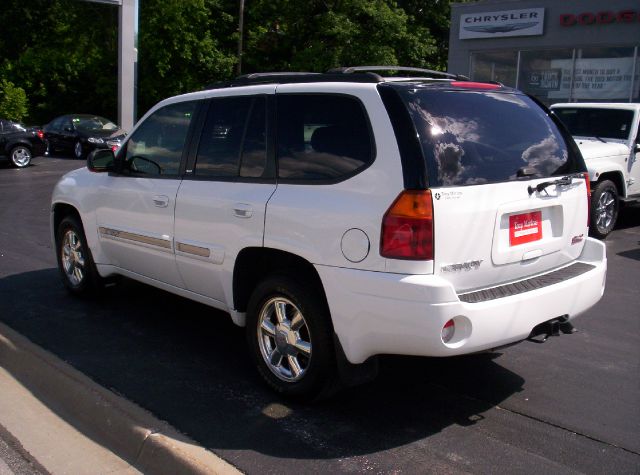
(570, 405)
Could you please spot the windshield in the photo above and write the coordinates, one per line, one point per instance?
(603, 123)
(93, 123)
(476, 137)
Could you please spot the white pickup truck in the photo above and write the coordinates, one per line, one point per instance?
(609, 140)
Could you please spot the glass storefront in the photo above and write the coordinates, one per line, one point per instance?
(564, 75)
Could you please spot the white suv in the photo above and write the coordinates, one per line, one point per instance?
(342, 216)
(608, 136)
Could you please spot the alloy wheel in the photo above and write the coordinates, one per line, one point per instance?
(21, 156)
(77, 149)
(73, 261)
(284, 339)
(605, 210)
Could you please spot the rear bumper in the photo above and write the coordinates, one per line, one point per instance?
(381, 313)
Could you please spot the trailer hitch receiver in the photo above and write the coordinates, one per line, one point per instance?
(553, 327)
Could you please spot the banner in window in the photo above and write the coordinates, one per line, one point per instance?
(595, 78)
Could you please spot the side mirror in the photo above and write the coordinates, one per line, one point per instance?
(101, 160)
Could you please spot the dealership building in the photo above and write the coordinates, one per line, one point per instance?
(557, 51)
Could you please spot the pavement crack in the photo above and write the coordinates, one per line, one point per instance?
(566, 429)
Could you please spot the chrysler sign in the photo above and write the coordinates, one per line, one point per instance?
(528, 22)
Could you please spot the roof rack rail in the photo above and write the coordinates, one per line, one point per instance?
(358, 69)
(293, 77)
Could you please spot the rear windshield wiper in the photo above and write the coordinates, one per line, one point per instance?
(565, 180)
(600, 139)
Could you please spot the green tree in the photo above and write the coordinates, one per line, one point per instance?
(183, 45)
(318, 35)
(13, 101)
(62, 53)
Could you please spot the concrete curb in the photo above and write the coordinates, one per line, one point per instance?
(134, 434)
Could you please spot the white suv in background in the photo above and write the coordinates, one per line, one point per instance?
(608, 137)
(342, 216)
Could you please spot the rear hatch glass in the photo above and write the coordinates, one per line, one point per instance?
(483, 150)
(477, 137)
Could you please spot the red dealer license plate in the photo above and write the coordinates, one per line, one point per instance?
(525, 228)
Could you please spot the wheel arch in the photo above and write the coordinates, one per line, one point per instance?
(59, 211)
(253, 264)
(18, 142)
(617, 179)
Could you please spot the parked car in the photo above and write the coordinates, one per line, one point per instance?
(20, 143)
(608, 137)
(79, 134)
(342, 216)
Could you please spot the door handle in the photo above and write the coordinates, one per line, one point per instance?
(242, 210)
(161, 201)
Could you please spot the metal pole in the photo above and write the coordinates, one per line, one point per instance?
(633, 73)
(240, 34)
(127, 63)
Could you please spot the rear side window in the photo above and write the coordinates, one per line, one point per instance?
(603, 123)
(321, 137)
(473, 137)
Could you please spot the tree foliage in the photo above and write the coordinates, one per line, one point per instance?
(13, 101)
(63, 53)
(318, 35)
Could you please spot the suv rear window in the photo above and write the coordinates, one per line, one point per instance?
(321, 137)
(603, 123)
(477, 137)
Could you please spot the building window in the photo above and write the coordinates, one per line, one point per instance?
(500, 66)
(564, 75)
(546, 74)
(603, 74)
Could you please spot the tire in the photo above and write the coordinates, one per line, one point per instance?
(604, 209)
(290, 338)
(20, 156)
(75, 262)
(78, 151)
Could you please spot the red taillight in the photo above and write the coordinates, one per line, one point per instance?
(40, 134)
(475, 85)
(588, 183)
(114, 148)
(407, 227)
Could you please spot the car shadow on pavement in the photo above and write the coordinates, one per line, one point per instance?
(189, 365)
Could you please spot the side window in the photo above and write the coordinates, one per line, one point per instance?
(56, 125)
(233, 138)
(155, 148)
(321, 137)
(67, 125)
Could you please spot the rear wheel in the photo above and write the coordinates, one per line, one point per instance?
(20, 156)
(75, 262)
(290, 337)
(604, 209)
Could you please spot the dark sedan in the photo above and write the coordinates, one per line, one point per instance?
(79, 134)
(20, 143)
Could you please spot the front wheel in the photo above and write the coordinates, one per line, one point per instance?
(290, 337)
(78, 150)
(75, 262)
(604, 209)
(20, 156)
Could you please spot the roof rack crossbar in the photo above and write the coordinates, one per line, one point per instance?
(357, 69)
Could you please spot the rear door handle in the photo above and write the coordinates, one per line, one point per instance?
(242, 210)
(161, 201)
